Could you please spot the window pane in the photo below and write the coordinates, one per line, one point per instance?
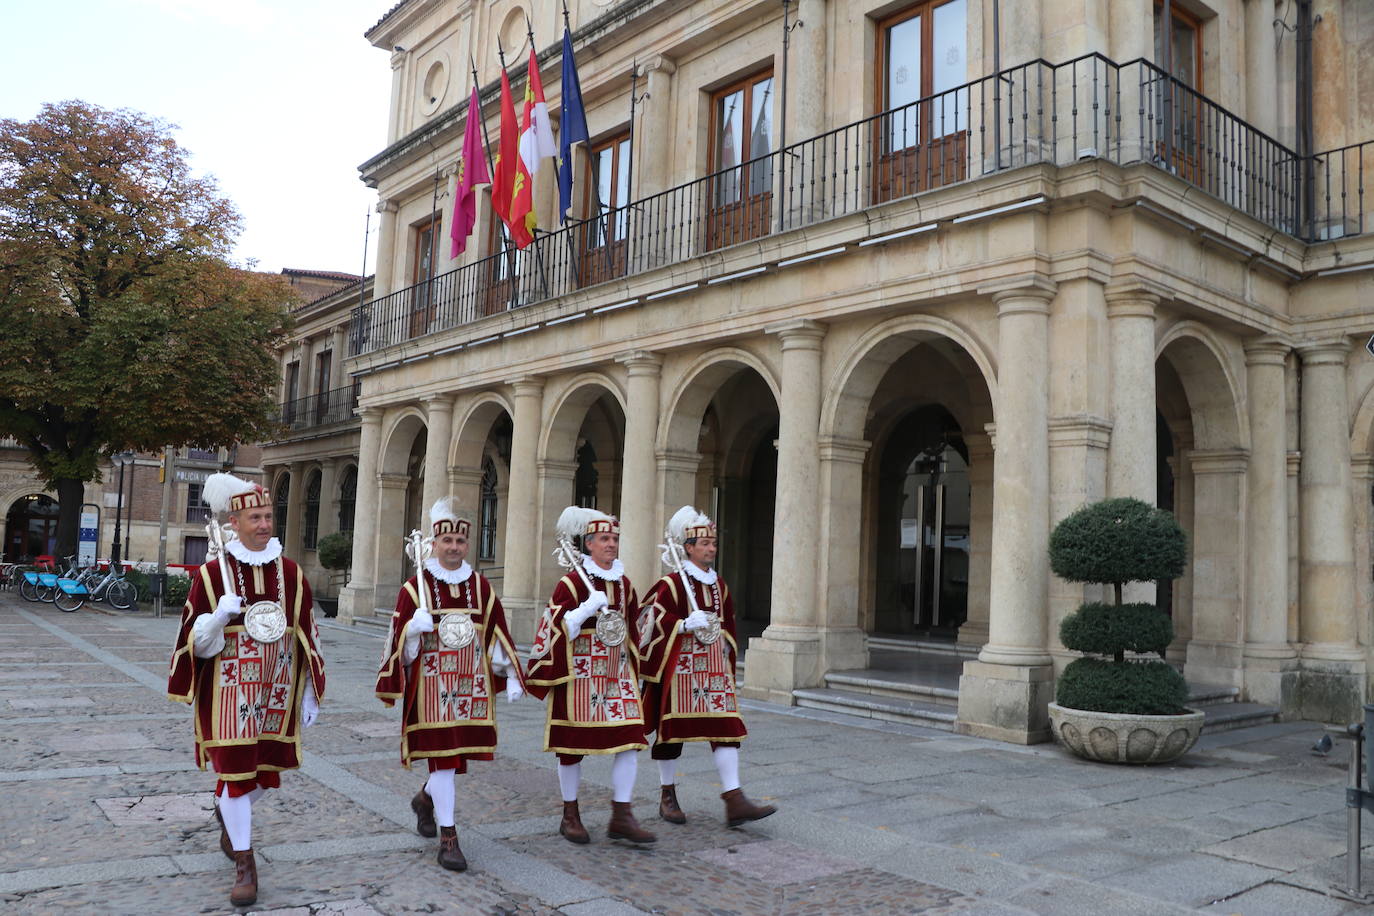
(622, 187)
(903, 82)
(729, 145)
(949, 66)
(603, 163)
(761, 136)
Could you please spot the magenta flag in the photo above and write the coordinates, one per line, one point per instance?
(472, 171)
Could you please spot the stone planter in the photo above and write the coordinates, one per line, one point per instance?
(1120, 738)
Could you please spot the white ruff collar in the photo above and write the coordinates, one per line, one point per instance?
(254, 557)
(451, 576)
(705, 577)
(614, 574)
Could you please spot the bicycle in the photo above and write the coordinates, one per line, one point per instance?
(114, 588)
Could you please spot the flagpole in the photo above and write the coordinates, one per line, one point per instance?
(630, 178)
(529, 82)
(362, 286)
(505, 243)
(596, 188)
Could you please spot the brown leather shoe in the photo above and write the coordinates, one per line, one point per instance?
(225, 846)
(571, 827)
(739, 810)
(668, 808)
(245, 892)
(623, 825)
(450, 856)
(423, 806)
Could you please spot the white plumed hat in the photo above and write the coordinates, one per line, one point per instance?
(445, 519)
(227, 493)
(687, 523)
(578, 520)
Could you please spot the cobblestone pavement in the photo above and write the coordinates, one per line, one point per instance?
(104, 811)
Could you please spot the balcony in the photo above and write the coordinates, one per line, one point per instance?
(1038, 113)
(317, 410)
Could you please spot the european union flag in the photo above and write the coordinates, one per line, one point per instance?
(572, 126)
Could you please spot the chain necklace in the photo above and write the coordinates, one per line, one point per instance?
(243, 590)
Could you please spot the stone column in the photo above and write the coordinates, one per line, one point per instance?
(1079, 449)
(386, 244)
(655, 165)
(337, 376)
(1183, 585)
(844, 643)
(1270, 661)
(357, 598)
(393, 567)
(438, 438)
(328, 522)
(1333, 665)
(556, 492)
(1331, 93)
(974, 632)
(677, 477)
(787, 655)
(1005, 692)
(1217, 554)
(806, 60)
(640, 528)
(1362, 481)
(295, 510)
(466, 486)
(1261, 65)
(522, 544)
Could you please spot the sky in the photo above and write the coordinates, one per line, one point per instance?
(279, 100)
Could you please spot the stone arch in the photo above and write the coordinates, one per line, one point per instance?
(698, 384)
(398, 434)
(1210, 383)
(564, 417)
(474, 424)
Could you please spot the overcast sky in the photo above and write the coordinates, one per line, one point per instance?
(280, 100)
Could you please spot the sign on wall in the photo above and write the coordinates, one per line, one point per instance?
(88, 535)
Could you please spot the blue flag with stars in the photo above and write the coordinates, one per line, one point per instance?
(572, 126)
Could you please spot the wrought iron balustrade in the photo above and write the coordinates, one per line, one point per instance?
(335, 406)
(1087, 108)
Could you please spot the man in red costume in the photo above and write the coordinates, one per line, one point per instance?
(447, 675)
(248, 660)
(584, 662)
(688, 647)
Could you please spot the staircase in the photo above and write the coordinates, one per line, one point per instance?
(917, 683)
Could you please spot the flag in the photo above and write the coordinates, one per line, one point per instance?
(507, 161)
(536, 143)
(472, 171)
(572, 126)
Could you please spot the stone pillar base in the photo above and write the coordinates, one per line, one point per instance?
(1214, 663)
(1006, 702)
(973, 633)
(843, 648)
(522, 616)
(1332, 690)
(1274, 679)
(781, 660)
(355, 602)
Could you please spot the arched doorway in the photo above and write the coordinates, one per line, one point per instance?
(399, 507)
(30, 528)
(479, 472)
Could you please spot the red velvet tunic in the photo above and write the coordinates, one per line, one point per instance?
(592, 689)
(448, 695)
(689, 692)
(247, 699)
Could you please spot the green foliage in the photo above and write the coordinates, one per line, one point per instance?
(1139, 688)
(123, 318)
(1106, 629)
(336, 550)
(175, 591)
(1118, 540)
(141, 583)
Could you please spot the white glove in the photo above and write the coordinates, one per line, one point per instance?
(227, 607)
(574, 619)
(421, 622)
(310, 707)
(696, 620)
(513, 690)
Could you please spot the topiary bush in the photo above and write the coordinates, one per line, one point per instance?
(175, 590)
(335, 551)
(1113, 542)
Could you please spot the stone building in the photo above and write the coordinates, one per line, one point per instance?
(888, 315)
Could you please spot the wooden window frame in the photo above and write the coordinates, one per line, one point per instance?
(746, 216)
(603, 254)
(421, 299)
(1186, 155)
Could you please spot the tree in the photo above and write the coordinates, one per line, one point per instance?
(126, 326)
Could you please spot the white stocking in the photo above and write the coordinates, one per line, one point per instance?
(667, 772)
(237, 814)
(727, 765)
(623, 772)
(569, 777)
(441, 792)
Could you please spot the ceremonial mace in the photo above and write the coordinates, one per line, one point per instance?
(674, 558)
(455, 630)
(610, 628)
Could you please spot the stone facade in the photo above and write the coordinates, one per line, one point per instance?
(890, 366)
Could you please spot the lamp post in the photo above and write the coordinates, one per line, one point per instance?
(120, 459)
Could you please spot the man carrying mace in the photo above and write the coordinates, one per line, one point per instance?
(688, 644)
(247, 658)
(584, 661)
(448, 654)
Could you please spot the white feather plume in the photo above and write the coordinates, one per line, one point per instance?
(220, 488)
(443, 511)
(684, 518)
(574, 520)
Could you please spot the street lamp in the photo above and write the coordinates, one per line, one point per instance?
(120, 459)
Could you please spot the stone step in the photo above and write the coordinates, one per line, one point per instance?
(876, 685)
(923, 646)
(1227, 716)
(1203, 695)
(871, 706)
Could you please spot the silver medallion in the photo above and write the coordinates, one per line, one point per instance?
(265, 621)
(456, 630)
(709, 633)
(610, 628)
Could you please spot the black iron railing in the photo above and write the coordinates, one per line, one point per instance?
(322, 409)
(1088, 108)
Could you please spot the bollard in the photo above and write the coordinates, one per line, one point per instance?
(1353, 812)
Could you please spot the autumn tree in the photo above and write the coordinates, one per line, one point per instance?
(125, 324)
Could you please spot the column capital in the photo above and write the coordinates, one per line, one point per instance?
(799, 333)
(442, 403)
(527, 386)
(641, 362)
(457, 474)
(1269, 350)
(1219, 460)
(1081, 430)
(393, 481)
(370, 416)
(1136, 297)
(677, 460)
(1294, 463)
(851, 451)
(556, 470)
(388, 205)
(1362, 466)
(1023, 293)
(660, 62)
(1330, 351)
